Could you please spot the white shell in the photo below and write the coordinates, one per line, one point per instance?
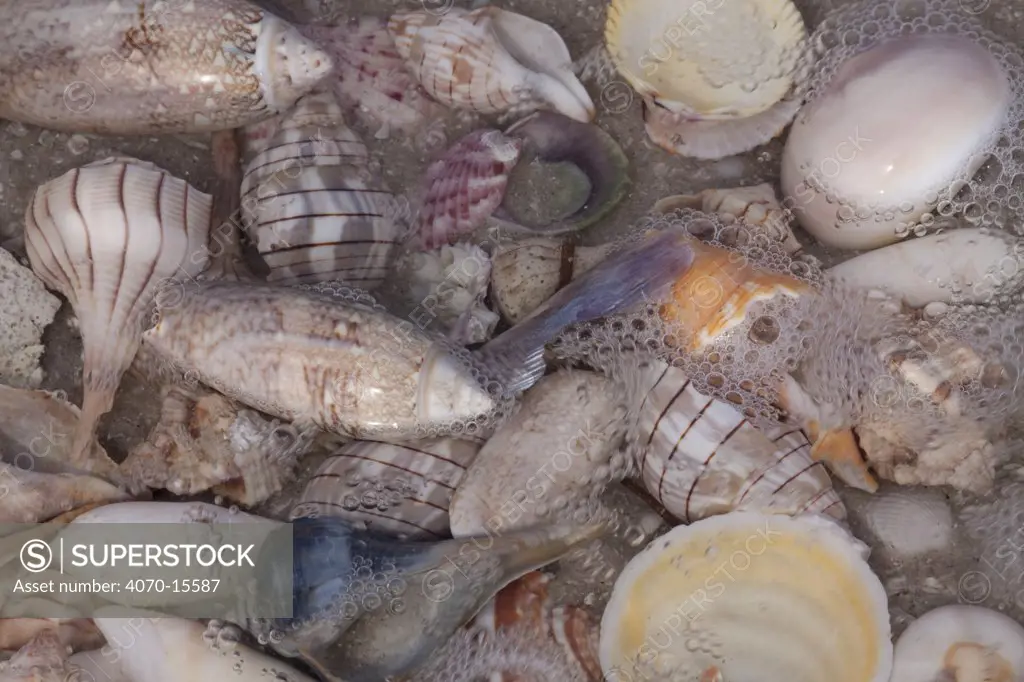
(969, 265)
(875, 142)
(746, 596)
(701, 457)
(905, 522)
(970, 642)
(491, 61)
(112, 236)
(404, 490)
(26, 308)
(317, 210)
(559, 441)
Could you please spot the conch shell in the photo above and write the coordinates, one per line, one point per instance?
(112, 236)
(491, 61)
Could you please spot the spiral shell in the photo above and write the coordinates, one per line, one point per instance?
(491, 61)
(399, 489)
(317, 210)
(112, 236)
(701, 456)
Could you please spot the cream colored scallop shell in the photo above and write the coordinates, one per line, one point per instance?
(112, 236)
(745, 597)
(714, 59)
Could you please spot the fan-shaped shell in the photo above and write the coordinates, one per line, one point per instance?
(491, 61)
(701, 457)
(400, 489)
(317, 210)
(111, 236)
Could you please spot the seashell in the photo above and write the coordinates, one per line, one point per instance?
(26, 308)
(402, 490)
(700, 456)
(168, 512)
(111, 236)
(80, 634)
(905, 522)
(960, 643)
(863, 157)
(570, 176)
(969, 265)
(755, 207)
(317, 210)
(216, 65)
(560, 441)
(87, 666)
(464, 187)
(722, 88)
(491, 61)
(204, 440)
(32, 497)
(745, 595)
(42, 659)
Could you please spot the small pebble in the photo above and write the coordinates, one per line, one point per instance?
(16, 155)
(935, 309)
(17, 129)
(78, 144)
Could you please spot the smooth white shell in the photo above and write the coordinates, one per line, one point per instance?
(969, 265)
(749, 597)
(886, 133)
(923, 646)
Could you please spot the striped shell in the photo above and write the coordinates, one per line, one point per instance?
(491, 61)
(464, 187)
(317, 210)
(701, 457)
(111, 236)
(403, 490)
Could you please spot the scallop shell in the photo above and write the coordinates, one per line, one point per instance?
(404, 490)
(701, 457)
(112, 236)
(905, 522)
(749, 596)
(491, 61)
(464, 187)
(317, 210)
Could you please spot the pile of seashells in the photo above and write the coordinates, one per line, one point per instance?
(635, 441)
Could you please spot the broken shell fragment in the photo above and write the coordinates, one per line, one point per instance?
(112, 237)
(491, 61)
(800, 598)
(26, 308)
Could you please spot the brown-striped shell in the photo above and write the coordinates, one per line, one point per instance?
(113, 236)
(315, 208)
(699, 456)
(404, 490)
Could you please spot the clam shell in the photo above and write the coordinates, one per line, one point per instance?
(403, 490)
(749, 596)
(26, 308)
(701, 457)
(491, 61)
(317, 210)
(112, 236)
(716, 60)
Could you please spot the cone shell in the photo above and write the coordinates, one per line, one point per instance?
(111, 236)
(701, 457)
(404, 490)
(749, 596)
(317, 210)
(490, 61)
(464, 187)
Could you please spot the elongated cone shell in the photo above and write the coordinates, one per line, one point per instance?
(404, 490)
(701, 457)
(111, 236)
(491, 61)
(142, 68)
(317, 210)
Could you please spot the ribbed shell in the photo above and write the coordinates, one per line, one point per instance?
(701, 457)
(111, 236)
(317, 210)
(401, 489)
(464, 187)
(491, 61)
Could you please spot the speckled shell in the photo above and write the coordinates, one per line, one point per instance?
(464, 187)
(115, 237)
(317, 210)
(491, 61)
(701, 457)
(404, 490)
(150, 67)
